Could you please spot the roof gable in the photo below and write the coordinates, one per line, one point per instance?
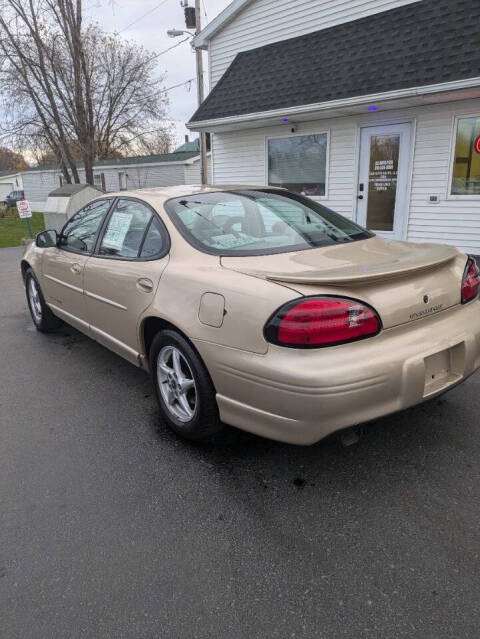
(415, 45)
(224, 17)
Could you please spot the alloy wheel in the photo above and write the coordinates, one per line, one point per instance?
(176, 383)
(35, 303)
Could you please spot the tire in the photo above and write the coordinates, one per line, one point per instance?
(43, 318)
(189, 408)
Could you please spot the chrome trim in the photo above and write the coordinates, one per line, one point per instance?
(71, 286)
(104, 299)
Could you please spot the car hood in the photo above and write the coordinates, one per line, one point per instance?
(402, 281)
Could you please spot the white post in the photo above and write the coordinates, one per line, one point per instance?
(201, 96)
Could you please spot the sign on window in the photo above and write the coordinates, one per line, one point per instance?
(466, 165)
(382, 181)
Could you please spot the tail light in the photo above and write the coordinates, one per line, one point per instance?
(471, 281)
(313, 322)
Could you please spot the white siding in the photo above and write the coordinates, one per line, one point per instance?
(142, 177)
(14, 179)
(192, 172)
(266, 21)
(38, 184)
(451, 221)
(5, 188)
(239, 158)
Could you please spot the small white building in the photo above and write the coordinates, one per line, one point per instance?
(180, 167)
(9, 181)
(370, 106)
(63, 202)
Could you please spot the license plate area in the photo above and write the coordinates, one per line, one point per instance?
(444, 369)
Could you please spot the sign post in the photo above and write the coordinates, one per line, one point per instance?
(25, 212)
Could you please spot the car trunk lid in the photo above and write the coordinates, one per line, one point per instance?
(403, 281)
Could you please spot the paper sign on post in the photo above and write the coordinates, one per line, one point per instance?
(117, 230)
(24, 209)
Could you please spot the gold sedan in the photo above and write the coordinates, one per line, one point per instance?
(259, 308)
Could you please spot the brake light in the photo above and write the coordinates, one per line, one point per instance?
(471, 281)
(322, 321)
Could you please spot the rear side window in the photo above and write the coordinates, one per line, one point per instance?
(80, 232)
(155, 240)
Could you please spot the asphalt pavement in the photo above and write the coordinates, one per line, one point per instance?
(112, 527)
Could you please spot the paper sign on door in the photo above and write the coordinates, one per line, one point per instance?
(117, 230)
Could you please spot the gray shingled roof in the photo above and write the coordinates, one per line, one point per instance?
(12, 172)
(427, 42)
(70, 189)
(176, 156)
(138, 159)
(193, 145)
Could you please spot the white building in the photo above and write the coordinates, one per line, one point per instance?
(9, 181)
(180, 167)
(370, 106)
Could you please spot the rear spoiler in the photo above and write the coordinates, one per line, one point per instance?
(360, 274)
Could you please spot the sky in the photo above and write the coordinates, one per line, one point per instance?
(128, 18)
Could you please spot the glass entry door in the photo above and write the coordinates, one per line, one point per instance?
(383, 179)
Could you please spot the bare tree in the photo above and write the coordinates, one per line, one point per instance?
(11, 161)
(74, 89)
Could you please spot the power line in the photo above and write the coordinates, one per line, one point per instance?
(175, 86)
(156, 55)
(143, 16)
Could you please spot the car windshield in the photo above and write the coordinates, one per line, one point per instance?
(259, 222)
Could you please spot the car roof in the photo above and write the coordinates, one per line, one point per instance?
(167, 192)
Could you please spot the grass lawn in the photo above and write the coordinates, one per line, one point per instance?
(13, 229)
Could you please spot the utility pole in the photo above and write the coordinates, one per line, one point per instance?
(193, 20)
(201, 96)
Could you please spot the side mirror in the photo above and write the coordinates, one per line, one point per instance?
(46, 239)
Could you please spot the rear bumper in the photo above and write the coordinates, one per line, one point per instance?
(300, 396)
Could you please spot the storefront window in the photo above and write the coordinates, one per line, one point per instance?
(466, 167)
(298, 163)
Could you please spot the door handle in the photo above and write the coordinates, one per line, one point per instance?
(76, 268)
(145, 285)
(360, 197)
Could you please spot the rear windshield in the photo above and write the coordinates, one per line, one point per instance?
(260, 222)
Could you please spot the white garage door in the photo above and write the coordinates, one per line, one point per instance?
(5, 188)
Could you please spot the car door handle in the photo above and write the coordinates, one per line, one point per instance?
(145, 285)
(76, 268)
